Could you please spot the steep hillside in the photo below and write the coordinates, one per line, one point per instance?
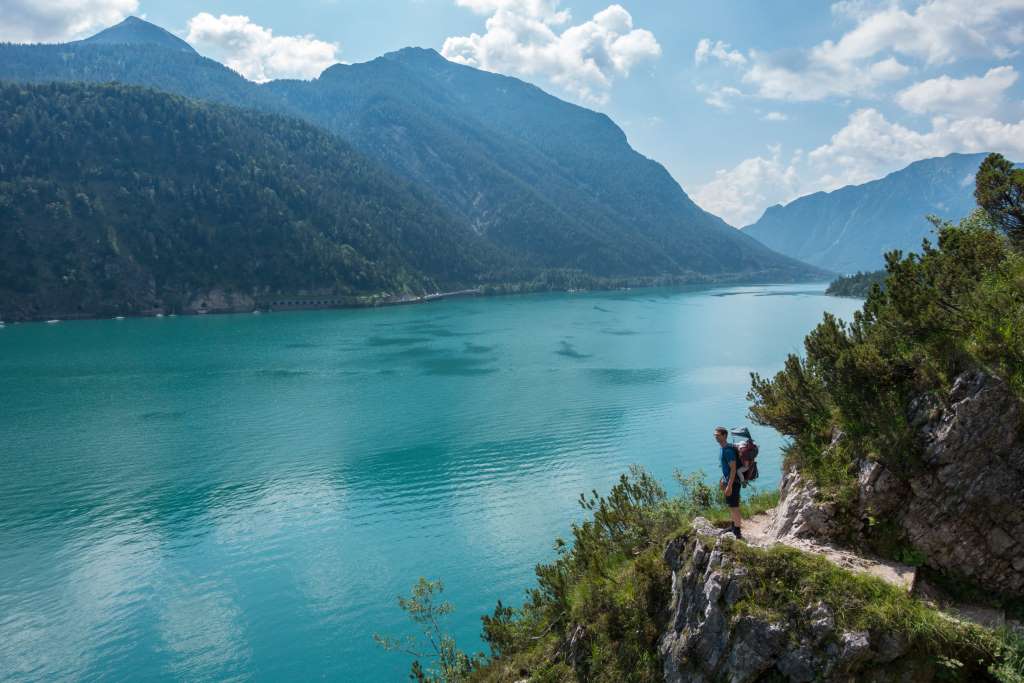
(849, 229)
(118, 199)
(530, 171)
(556, 185)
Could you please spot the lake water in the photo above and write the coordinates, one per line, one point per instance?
(243, 497)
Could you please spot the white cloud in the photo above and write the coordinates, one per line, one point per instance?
(719, 50)
(937, 31)
(890, 69)
(800, 77)
(32, 21)
(856, 9)
(869, 145)
(964, 96)
(255, 52)
(739, 195)
(525, 38)
(775, 116)
(865, 57)
(720, 97)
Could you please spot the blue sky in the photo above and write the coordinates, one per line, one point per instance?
(746, 103)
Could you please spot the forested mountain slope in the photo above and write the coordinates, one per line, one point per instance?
(120, 199)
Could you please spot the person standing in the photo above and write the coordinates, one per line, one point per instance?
(730, 483)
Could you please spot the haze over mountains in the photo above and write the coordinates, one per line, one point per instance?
(850, 229)
(527, 185)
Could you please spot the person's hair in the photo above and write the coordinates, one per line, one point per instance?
(721, 430)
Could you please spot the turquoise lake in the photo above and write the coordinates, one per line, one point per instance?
(243, 497)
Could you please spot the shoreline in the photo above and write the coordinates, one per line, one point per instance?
(375, 301)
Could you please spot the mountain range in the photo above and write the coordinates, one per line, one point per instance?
(850, 229)
(526, 184)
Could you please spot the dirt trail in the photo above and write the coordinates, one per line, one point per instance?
(756, 532)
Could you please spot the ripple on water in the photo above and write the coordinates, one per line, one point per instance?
(569, 351)
(381, 340)
(457, 366)
(162, 415)
(470, 347)
(633, 376)
(281, 373)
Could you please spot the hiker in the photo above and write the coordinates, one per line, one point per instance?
(730, 483)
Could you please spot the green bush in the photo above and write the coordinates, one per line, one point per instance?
(954, 307)
(598, 610)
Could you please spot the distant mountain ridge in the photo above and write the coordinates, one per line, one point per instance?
(135, 31)
(850, 229)
(550, 183)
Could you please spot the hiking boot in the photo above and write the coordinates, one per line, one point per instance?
(737, 533)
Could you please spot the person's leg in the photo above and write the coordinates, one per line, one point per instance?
(733, 502)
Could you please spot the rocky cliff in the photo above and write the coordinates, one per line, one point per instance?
(961, 506)
(723, 625)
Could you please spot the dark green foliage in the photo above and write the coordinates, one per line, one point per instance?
(954, 307)
(1000, 191)
(598, 610)
(859, 285)
(601, 606)
(117, 199)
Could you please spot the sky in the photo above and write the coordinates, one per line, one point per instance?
(747, 103)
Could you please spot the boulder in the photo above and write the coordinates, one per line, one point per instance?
(801, 513)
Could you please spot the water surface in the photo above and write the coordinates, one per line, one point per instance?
(242, 497)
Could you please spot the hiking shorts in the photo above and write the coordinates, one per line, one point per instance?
(733, 500)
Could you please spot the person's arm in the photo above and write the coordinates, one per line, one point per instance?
(732, 475)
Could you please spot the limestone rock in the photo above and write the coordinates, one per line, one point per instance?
(707, 639)
(801, 513)
(963, 507)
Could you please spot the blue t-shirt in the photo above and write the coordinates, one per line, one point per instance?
(728, 455)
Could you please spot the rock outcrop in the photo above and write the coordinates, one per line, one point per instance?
(218, 300)
(963, 507)
(708, 639)
(801, 512)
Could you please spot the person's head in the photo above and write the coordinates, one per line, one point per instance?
(721, 434)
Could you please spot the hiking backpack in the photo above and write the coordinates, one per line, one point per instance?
(747, 451)
(748, 460)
